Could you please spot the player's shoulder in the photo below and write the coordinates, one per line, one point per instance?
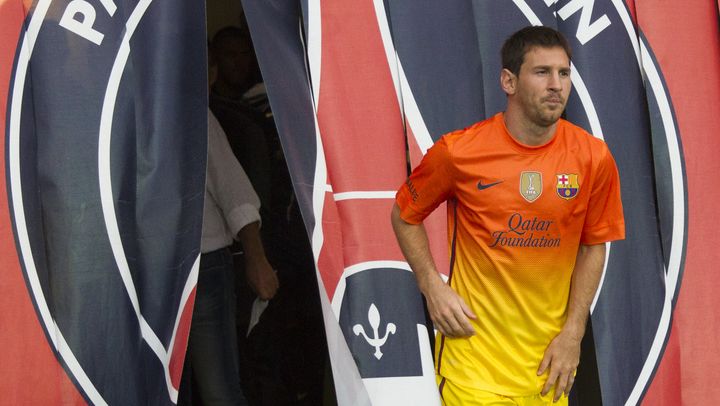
(581, 136)
(586, 146)
(468, 135)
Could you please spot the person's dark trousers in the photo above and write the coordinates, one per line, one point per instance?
(211, 374)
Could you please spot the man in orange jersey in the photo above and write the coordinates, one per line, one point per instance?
(532, 200)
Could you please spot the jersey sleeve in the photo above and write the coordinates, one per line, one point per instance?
(428, 186)
(604, 220)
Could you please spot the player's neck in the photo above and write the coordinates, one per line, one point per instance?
(525, 131)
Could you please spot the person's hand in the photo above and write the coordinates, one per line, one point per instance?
(448, 311)
(562, 356)
(261, 277)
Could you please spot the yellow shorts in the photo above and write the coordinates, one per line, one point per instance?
(456, 395)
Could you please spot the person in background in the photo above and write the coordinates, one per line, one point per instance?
(283, 356)
(232, 49)
(231, 213)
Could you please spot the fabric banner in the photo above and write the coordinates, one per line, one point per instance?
(352, 83)
(103, 105)
(104, 111)
(685, 38)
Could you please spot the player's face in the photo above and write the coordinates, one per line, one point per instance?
(543, 85)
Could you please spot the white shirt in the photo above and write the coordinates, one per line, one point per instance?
(230, 200)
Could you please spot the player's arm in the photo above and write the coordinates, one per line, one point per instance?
(563, 354)
(448, 311)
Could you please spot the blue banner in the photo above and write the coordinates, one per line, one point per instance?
(105, 166)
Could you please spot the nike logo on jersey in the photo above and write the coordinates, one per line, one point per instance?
(487, 185)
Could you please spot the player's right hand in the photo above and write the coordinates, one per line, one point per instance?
(449, 312)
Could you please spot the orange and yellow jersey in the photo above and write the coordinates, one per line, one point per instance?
(516, 217)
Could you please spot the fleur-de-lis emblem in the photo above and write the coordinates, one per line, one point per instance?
(375, 341)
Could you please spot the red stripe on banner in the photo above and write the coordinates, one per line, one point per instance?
(371, 240)
(684, 37)
(330, 262)
(363, 139)
(631, 7)
(416, 154)
(30, 372)
(177, 356)
(665, 389)
(358, 111)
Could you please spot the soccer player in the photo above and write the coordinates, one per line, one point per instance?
(532, 200)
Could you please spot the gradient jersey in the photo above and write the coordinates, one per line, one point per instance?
(516, 217)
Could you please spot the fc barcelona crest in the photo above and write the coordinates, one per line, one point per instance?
(567, 185)
(530, 185)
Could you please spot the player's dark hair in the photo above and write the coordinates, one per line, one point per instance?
(517, 45)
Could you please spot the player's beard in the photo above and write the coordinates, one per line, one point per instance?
(544, 114)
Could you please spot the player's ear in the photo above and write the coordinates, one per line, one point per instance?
(508, 81)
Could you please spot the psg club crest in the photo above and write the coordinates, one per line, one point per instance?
(567, 185)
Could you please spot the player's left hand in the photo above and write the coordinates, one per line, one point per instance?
(562, 356)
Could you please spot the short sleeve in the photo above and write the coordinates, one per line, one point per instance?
(428, 186)
(604, 220)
